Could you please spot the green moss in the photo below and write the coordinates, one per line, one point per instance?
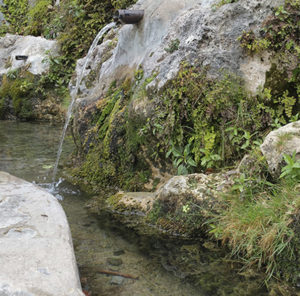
(22, 94)
(111, 160)
(114, 199)
(17, 91)
(173, 46)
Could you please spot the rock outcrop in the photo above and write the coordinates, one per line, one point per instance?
(125, 90)
(285, 140)
(178, 208)
(190, 31)
(36, 251)
(35, 48)
(23, 62)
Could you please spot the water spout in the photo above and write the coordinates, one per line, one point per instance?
(75, 92)
(128, 16)
(21, 57)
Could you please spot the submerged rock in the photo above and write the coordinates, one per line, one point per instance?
(36, 251)
(285, 140)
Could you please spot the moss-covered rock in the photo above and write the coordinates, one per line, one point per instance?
(20, 98)
(181, 207)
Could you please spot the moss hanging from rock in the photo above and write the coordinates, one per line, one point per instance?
(111, 145)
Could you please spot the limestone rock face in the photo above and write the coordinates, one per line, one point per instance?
(35, 48)
(36, 251)
(285, 140)
(205, 35)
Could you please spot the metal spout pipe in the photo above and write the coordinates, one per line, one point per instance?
(21, 57)
(128, 16)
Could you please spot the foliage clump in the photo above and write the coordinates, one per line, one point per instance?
(201, 123)
(16, 90)
(22, 93)
(280, 37)
(260, 220)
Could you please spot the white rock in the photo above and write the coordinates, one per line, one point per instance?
(285, 140)
(36, 251)
(36, 48)
(208, 36)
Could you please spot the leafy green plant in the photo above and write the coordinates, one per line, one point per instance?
(15, 13)
(292, 168)
(279, 36)
(38, 17)
(240, 137)
(209, 159)
(182, 159)
(12, 74)
(252, 44)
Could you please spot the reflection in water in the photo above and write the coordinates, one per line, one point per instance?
(28, 151)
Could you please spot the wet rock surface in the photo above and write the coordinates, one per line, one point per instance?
(36, 251)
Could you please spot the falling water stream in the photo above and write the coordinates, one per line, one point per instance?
(74, 94)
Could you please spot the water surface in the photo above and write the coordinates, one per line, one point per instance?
(28, 151)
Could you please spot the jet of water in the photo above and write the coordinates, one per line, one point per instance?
(74, 95)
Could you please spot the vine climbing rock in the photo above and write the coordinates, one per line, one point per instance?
(36, 251)
(285, 140)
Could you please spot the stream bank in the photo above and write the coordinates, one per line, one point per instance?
(28, 150)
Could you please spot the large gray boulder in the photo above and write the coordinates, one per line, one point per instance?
(285, 140)
(36, 251)
(36, 48)
(173, 31)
